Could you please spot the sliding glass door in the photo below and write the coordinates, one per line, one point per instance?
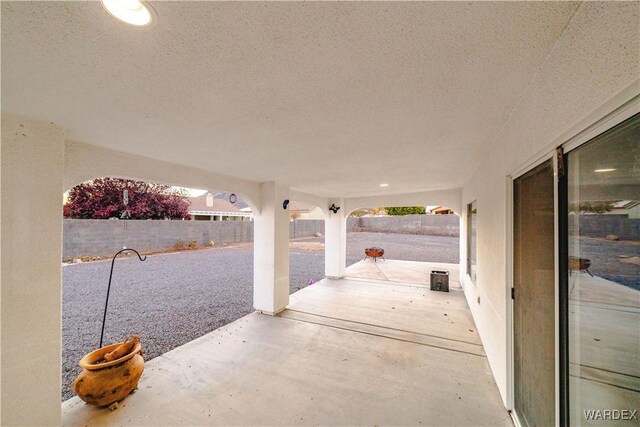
(601, 279)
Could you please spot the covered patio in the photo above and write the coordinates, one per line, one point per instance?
(341, 105)
(344, 352)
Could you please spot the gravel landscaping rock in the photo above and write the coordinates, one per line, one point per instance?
(610, 259)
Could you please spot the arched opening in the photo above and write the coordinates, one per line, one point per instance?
(306, 244)
(197, 277)
(409, 241)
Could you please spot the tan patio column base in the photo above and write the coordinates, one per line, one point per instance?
(271, 313)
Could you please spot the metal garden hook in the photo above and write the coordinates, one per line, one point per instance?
(106, 303)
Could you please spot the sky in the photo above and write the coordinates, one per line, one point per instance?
(192, 192)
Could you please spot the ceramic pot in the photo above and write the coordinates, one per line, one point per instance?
(105, 383)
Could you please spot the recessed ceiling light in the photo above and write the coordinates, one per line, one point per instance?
(133, 12)
(384, 185)
(604, 170)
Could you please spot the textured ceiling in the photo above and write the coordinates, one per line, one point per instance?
(619, 150)
(329, 98)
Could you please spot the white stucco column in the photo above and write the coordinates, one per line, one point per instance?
(31, 176)
(271, 250)
(335, 241)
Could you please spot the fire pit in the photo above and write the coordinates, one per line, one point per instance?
(576, 263)
(374, 253)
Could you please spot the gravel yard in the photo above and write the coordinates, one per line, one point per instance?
(618, 261)
(171, 299)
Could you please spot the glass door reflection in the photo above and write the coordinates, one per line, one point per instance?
(603, 185)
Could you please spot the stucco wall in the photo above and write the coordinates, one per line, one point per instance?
(602, 225)
(544, 118)
(305, 227)
(31, 175)
(435, 225)
(87, 237)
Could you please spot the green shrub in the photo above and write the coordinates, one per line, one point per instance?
(591, 207)
(405, 210)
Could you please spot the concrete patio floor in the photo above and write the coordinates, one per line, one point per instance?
(605, 362)
(406, 272)
(344, 352)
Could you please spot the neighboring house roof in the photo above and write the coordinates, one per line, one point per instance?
(200, 204)
(626, 204)
(440, 209)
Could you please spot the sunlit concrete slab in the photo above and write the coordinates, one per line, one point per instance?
(596, 394)
(605, 362)
(607, 338)
(387, 332)
(586, 288)
(366, 269)
(408, 272)
(407, 308)
(313, 365)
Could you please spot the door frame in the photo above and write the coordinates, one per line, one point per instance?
(621, 107)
